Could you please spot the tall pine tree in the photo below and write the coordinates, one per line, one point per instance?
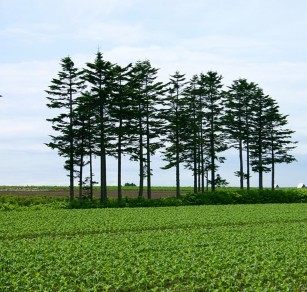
(100, 77)
(238, 114)
(62, 95)
(211, 87)
(121, 112)
(280, 144)
(144, 122)
(262, 105)
(174, 113)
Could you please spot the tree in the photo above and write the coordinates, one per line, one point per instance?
(238, 114)
(100, 77)
(145, 124)
(280, 143)
(262, 106)
(152, 92)
(62, 95)
(174, 113)
(193, 140)
(85, 140)
(210, 88)
(120, 111)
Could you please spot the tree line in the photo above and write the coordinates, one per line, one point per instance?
(106, 110)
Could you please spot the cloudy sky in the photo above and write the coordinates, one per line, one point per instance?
(263, 41)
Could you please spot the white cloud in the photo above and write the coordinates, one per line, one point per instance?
(258, 40)
(114, 32)
(26, 77)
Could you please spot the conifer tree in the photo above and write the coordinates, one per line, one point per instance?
(144, 121)
(211, 86)
(62, 95)
(86, 138)
(174, 113)
(262, 105)
(238, 114)
(99, 75)
(196, 153)
(280, 144)
(121, 113)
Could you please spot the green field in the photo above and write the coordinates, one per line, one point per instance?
(235, 248)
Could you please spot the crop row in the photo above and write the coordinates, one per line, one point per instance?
(44, 222)
(250, 248)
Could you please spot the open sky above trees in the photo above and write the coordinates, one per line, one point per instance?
(262, 41)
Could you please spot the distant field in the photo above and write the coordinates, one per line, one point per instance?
(157, 191)
(110, 188)
(127, 191)
(206, 248)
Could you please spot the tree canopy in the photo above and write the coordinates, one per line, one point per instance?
(108, 110)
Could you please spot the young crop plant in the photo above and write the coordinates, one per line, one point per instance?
(242, 247)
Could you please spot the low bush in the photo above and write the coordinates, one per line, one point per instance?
(225, 196)
(8, 203)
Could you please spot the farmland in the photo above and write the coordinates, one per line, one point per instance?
(234, 247)
(130, 191)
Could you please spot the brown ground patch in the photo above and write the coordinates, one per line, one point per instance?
(65, 193)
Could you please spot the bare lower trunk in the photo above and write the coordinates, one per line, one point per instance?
(273, 171)
(148, 164)
(247, 166)
(119, 167)
(141, 168)
(91, 175)
(177, 179)
(241, 166)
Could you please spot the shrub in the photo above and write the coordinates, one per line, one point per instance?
(225, 196)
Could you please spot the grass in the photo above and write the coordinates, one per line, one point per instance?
(186, 248)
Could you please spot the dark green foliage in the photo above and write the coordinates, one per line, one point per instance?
(221, 196)
(121, 114)
(144, 124)
(99, 75)
(63, 92)
(239, 101)
(279, 141)
(109, 110)
(214, 140)
(10, 202)
(130, 184)
(175, 129)
(253, 196)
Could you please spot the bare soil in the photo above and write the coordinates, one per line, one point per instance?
(65, 193)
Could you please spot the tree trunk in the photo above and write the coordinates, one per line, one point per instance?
(71, 176)
(212, 153)
(247, 166)
(119, 161)
(177, 175)
(71, 154)
(177, 158)
(203, 166)
(103, 175)
(195, 167)
(148, 159)
(273, 169)
(81, 173)
(141, 166)
(91, 174)
(260, 171)
(241, 165)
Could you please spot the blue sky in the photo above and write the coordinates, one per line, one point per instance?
(261, 40)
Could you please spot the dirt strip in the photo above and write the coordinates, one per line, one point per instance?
(65, 193)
